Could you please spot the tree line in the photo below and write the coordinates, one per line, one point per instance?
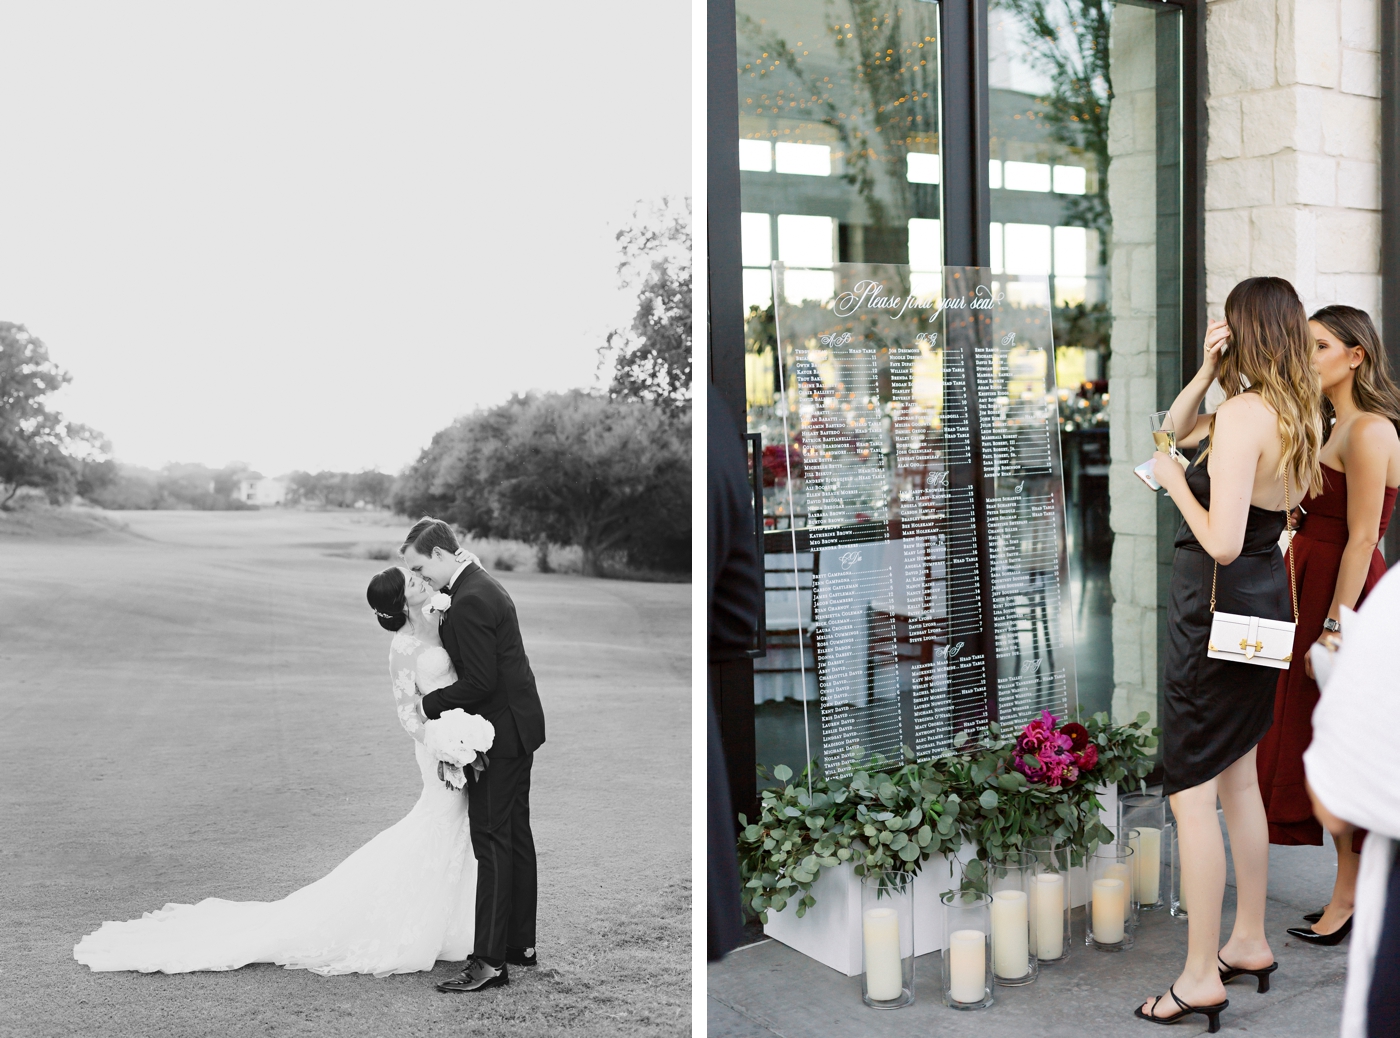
(607, 470)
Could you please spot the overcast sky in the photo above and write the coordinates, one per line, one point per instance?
(309, 235)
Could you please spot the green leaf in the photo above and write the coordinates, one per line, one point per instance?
(782, 773)
(909, 852)
(989, 799)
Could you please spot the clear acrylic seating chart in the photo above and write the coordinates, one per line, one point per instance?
(924, 500)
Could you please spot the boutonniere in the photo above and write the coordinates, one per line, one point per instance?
(437, 605)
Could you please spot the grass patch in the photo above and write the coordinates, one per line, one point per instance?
(42, 521)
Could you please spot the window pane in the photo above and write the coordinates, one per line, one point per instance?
(756, 156)
(848, 91)
(1027, 248)
(923, 169)
(801, 286)
(806, 241)
(1070, 256)
(756, 231)
(810, 159)
(1071, 180)
(1025, 176)
(926, 244)
(1101, 167)
(758, 288)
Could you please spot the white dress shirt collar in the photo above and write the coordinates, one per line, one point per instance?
(459, 571)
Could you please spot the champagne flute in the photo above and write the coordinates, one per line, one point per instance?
(1163, 432)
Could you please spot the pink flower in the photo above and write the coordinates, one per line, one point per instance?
(1055, 749)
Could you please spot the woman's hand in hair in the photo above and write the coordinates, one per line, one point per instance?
(1217, 336)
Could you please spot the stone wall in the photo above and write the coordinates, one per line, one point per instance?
(1292, 161)
(1132, 386)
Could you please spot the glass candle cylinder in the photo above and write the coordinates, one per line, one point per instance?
(1112, 916)
(1049, 901)
(1147, 814)
(1013, 955)
(967, 949)
(887, 930)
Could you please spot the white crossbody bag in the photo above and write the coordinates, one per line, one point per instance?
(1256, 639)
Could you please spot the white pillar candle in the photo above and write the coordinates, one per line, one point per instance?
(1109, 897)
(1122, 871)
(1010, 934)
(1049, 915)
(1147, 865)
(967, 965)
(884, 973)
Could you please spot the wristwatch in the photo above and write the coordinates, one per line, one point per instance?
(1331, 625)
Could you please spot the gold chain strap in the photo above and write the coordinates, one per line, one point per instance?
(1292, 579)
(1288, 519)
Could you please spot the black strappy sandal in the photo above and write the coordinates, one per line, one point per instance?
(1211, 1013)
(1229, 973)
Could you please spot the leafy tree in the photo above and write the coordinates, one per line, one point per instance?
(38, 446)
(372, 487)
(884, 100)
(652, 358)
(611, 475)
(1067, 42)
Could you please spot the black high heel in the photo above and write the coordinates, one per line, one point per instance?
(1311, 936)
(1315, 917)
(1229, 973)
(1211, 1013)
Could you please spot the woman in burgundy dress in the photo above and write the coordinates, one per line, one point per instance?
(1337, 565)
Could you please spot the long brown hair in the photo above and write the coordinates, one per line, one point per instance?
(1371, 387)
(1270, 353)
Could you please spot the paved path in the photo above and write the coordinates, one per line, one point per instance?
(768, 990)
(201, 707)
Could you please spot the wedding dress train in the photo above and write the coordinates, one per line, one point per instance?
(397, 905)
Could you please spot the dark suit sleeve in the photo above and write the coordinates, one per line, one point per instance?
(473, 621)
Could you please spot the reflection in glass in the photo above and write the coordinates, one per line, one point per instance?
(1084, 146)
(839, 163)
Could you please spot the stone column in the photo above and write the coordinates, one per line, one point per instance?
(1293, 156)
(1132, 384)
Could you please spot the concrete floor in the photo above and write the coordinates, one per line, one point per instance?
(768, 989)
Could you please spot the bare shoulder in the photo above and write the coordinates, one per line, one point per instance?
(1245, 416)
(1372, 432)
(1369, 437)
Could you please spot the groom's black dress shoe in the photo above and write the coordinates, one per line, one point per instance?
(521, 957)
(478, 976)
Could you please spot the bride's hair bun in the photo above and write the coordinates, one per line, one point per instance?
(386, 598)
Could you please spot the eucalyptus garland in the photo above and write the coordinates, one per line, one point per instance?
(894, 815)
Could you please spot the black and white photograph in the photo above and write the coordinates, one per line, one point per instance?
(346, 419)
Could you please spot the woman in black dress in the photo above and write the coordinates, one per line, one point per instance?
(1261, 445)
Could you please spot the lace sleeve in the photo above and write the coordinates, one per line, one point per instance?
(406, 697)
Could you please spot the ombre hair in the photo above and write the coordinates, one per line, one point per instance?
(1270, 352)
(1372, 389)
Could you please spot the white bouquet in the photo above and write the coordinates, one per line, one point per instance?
(459, 740)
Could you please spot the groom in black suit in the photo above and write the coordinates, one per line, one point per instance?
(482, 636)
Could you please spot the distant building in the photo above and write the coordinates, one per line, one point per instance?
(261, 490)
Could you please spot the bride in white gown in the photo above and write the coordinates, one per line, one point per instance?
(397, 905)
